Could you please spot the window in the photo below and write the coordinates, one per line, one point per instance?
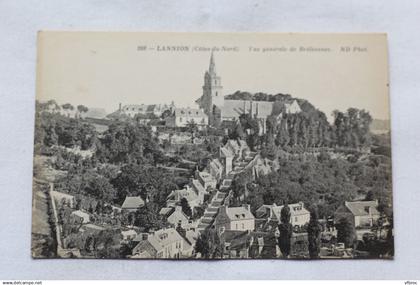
(216, 94)
(296, 219)
(236, 226)
(243, 226)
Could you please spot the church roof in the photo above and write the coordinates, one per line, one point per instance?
(235, 108)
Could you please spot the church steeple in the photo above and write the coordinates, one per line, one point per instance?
(212, 99)
(212, 67)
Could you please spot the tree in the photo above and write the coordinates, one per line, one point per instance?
(209, 244)
(67, 106)
(345, 231)
(314, 232)
(82, 109)
(192, 126)
(148, 218)
(186, 207)
(370, 196)
(285, 229)
(125, 142)
(201, 245)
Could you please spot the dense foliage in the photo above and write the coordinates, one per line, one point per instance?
(319, 180)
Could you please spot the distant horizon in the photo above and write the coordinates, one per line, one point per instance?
(101, 70)
(195, 107)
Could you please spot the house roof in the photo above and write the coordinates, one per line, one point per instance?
(238, 213)
(233, 145)
(242, 239)
(132, 202)
(206, 176)
(216, 164)
(198, 187)
(177, 215)
(361, 208)
(225, 152)
(186, 193)
(165, 211)
(83, 215)
(295, 209)
(242, 144)
(191, 236)
(129, 233)
(163, 237)
(92, 227)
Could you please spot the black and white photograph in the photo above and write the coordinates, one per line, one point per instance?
(212, 146)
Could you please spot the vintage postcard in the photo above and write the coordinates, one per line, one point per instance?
(212, 146)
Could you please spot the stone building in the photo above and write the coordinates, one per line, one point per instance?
(219, 109)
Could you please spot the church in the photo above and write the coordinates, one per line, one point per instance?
(219, 110)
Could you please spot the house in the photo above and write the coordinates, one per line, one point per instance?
(129, 234)
(188, 193)
(132, 204)
(60, 197)
(215, 168)
(91, 229)
(142, 109)
(246, 244)
(235, 218)
(164, 243)
(299, 216)
(233, 150)
(190, 237)
(178, 217)
(207, 180)
(361, 213)
(226, 156)
(80, 217)
(181, 117)
(166, 211)
(190, 240)
(199, 189)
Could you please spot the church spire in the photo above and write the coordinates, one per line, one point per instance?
(212, 67)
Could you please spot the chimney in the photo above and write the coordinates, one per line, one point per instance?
(178, 209)
(119, 107)
(144, 236)
(247, 206)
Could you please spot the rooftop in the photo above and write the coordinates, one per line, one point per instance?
(132, 202)
(238, 213)
(362, 208)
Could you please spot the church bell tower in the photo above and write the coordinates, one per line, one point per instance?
(212, 99)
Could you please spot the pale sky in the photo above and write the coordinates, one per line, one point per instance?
(105, 69)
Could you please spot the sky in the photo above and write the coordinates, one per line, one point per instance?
(103, 69)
